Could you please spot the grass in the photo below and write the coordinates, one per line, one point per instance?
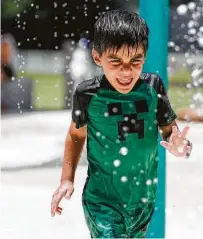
(182, 76)
(180, 97)
(49, 90)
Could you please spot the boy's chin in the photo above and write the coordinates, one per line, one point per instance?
(124, 91)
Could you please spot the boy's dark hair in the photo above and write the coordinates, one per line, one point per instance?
(120, 27)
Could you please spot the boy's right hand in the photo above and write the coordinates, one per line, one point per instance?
(65, 189)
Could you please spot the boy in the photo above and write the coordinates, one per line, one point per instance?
(120, 113)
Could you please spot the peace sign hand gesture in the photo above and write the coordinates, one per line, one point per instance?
(177, 144)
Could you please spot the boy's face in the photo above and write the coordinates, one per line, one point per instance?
(122, 68)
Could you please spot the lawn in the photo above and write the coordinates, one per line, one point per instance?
(182, 76)
(49, 91)
(180, 97)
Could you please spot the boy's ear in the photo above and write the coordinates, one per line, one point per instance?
(96, 57)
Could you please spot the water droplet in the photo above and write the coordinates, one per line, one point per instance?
(64, 4)
(114, 172)
(125, 128)
(182, 9)
(180, 149)
(188, 85)
(144, 200)
(124, 179)
(117, 163)
(177, 48)
(191, 6)
(115, 109)
(155, 180)
(77, 112)
(191, 24)
(149, 182)
(124, 151)
(192, 31)
(155, 121)
(200, 41)
(171, 44)
(133, 121)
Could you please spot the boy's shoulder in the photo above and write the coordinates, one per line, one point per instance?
(150, 78)
(153, 80)
(89, 86)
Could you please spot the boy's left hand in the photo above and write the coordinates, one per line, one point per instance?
(178, 145)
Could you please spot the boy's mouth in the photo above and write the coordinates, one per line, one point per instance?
(124, 83)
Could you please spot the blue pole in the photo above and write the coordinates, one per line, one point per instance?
(156, 14)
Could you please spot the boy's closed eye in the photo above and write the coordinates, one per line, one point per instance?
(137, 60)
(116, 61)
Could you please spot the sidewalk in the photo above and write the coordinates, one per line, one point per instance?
(33, 139)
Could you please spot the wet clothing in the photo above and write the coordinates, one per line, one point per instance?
(122, 152)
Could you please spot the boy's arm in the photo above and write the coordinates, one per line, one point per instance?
(74, 144)
(175, 141)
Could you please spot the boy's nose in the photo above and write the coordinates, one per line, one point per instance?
(126, 69)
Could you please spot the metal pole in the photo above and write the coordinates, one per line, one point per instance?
(156, 14)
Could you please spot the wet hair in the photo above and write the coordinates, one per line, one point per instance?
(116, 28)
